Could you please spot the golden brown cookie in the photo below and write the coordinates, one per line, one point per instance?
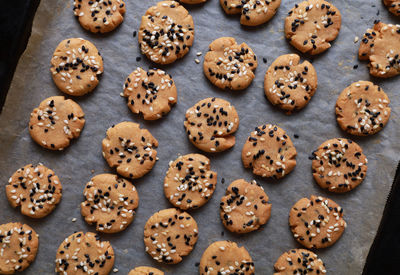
(290, 84)
(55, 122)
(151, 93)
(339, 165)
(210, 124)
(362, 109)
(229, 65)
(381, 47)
(316, 222)
(166, 32)
(189, 182)
(19, 245)
(299, 261)
(245, 207)
(311, 25)
(84, 253)
(145, 270)
(110, 203)
(224, 257)
(36, 189)
(393, 6)
(99, 15)
(169, 235)
(269, 151)
(76, 66)
(130, 149)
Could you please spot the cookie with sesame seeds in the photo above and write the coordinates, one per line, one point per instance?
(84, 253)
(393, 6)
(289, 84)
(166, 32)
(381, 47)
(362, 109)
(145, 270)
(56, 122)
(99, 16)
(224, 257)
(299, 261)
(245, 207)
(36, 189)
(229, 65)
(269, 151)
(339, 165)
(316, 222)
(211, 123)
(311, 25)
(150, 93)
(19, 246)
(110, 203)
(169, 235)
(189, 182)
(130, 149)
(76, 66)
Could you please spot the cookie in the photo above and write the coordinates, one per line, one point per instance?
(189, 182)
(210, 124)
(245, 207)
(225, 257)
(253, 12)
(192, 1)
(130, 149)
(381, 47)
(56, 122)
(311, 25)
(19, 245)
(151, 93)
(84, 253)
(229, 65)
(36, 189)
(316, 222)
(99, 15)
(393, 6)
(166, 32)
(299, 261)
(339, 165)
(110, 203)
(145, 270)
(76, 66)
(269, 151)
(289, 84)
(362, 109)
(169, 235)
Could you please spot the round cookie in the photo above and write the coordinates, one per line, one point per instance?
(316, 222)
(229, 65)
(76, 66)
(19, 245)
(36, 189)
(110, 203)
(130, 149)
(269, 151)
(84, 253)
(290, 84)
(299, 261)
(145, 270)
(150, 93)
(166, 32)
(253, 12)
(210, 124)
(393, 6)
(224, 257)
(381, 47)
(189, 182)
(193, 1)
(362, 109)
(311, 25)
(169, 235)
(245, 207)
(55, 122)
(339, 165)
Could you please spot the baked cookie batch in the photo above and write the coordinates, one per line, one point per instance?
(110, 201)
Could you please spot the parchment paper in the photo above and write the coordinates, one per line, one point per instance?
(75, 166)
